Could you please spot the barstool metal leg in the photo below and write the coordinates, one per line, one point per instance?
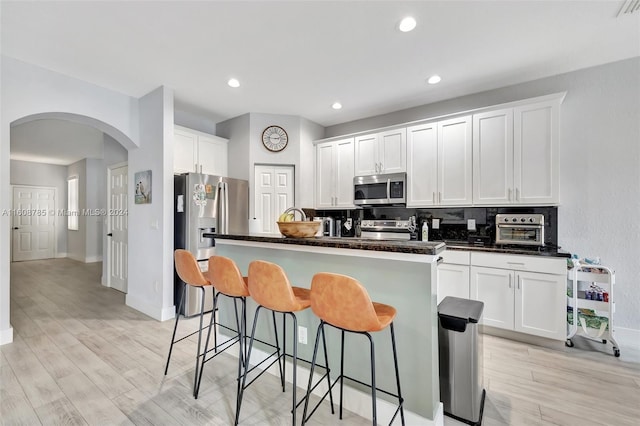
(195, 379)
(326, 363)
(373, 380)
(395, 363)
(341, 369)
(280, 360)
(313, 366)
(175, 327)
(246, 365)
(206, 344)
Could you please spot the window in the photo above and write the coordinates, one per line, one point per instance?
(72, 203)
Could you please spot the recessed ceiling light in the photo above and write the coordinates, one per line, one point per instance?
(407, 24)
(434, 79)
(233, 82)
(336, 105)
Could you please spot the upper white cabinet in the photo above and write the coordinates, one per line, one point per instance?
(439, 163)
(199, 152)
(384, 152)
(515, 153)
(334, 174)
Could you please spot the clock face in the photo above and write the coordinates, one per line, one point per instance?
(274, 138)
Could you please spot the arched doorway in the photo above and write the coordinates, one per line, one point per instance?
(94, 155)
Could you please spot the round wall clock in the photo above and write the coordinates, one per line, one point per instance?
(274, 138)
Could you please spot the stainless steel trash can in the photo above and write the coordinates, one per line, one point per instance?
(460, 349)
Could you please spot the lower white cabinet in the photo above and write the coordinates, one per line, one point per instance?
(453, 275)
(519, 299)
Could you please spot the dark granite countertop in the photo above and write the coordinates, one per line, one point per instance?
(412, 247)
(508, 249)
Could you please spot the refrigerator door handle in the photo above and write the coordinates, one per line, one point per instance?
(225, 187)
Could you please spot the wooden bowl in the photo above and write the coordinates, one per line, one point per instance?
(299, 229)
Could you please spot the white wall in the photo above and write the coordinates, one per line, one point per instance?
(150, 283)
(94, 193)
(238, 149)
(50, 175)
(246, 149)
(77, 239)
(599, 167)
(27, 92)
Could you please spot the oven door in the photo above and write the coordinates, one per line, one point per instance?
(528, 235)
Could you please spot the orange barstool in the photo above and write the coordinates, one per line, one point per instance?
(271, 289)
(227, 281)
(343, 303)
(189, 272)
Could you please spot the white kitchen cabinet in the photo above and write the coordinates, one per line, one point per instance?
(334, 174)
(384, 152)
(453, 275)
(517, 296)
(439, 163)
(515, 155)
(199, 152)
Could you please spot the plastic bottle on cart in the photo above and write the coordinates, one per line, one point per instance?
(425, 231)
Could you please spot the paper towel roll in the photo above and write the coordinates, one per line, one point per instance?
(255, 226)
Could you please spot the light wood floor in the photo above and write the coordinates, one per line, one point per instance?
(80, 356)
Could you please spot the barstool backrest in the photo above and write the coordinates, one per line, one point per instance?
(342, 301)
(226, 277)
(188, 269)
(270, 287)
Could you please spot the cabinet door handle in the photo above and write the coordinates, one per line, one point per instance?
(509, 194)
(433, 197)
(195, 167)
(509, 281)
(439, 197)
(518, 282)
(517, 194)
(515, 263)
(200, 168)
(381, 167)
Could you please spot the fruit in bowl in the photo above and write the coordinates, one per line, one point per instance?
(291, 228)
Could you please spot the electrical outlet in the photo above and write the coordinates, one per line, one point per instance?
(302, 335)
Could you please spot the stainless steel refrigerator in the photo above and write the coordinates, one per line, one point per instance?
(205, 204)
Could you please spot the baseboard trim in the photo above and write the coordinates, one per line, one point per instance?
(355, 400)
(627, 337)
(160, 314)
(92, 259)
(61, 255)
(6, 336)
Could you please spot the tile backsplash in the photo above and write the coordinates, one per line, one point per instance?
(453, 221)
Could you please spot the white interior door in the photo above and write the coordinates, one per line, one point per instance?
(274, 189)
(117, 225)
(33, 223)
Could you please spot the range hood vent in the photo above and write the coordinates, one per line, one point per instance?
(629, 7)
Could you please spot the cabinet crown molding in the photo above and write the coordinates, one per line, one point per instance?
(558, 97)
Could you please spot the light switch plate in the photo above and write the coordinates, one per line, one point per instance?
(435, 223)
(471, 224)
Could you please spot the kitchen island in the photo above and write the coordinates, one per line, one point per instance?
(398, 273)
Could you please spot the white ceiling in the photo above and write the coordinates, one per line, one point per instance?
(298, 57)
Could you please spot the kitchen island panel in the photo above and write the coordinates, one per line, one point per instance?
(409, 286)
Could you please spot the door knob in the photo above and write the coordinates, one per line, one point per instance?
(110, 234)
(15, 227)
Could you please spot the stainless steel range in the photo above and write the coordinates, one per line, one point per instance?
(384, 229)
(520, 229)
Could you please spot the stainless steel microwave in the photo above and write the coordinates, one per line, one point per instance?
(380, 189)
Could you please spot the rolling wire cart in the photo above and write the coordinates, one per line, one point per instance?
(590, 304)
